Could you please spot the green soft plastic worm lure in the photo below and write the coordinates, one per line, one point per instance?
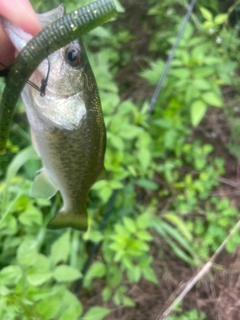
(56, 35)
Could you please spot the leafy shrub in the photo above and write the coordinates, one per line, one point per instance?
(164, 176)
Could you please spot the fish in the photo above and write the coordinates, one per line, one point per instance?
(66, 124)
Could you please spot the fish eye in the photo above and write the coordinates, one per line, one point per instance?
(73, 56)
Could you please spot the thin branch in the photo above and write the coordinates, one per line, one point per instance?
(228, 182)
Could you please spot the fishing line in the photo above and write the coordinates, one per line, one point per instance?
(170, 58)
(237, 15)
(4, 72)
(79, 283)
(44, 82)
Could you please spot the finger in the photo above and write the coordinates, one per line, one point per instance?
(7, 50)
(22, 14)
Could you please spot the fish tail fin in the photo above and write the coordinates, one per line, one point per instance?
(64, 219)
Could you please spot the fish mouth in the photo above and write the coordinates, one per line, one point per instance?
(64, 111)
(54, 95)
(49, 92)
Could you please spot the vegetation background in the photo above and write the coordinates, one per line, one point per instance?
(174, 175)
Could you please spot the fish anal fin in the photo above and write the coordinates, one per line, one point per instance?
(65, 219)
(42, 186)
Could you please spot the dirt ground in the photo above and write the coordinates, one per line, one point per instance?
(217, 293)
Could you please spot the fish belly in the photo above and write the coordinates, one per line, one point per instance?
(73, 160)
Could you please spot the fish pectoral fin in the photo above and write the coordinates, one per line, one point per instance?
(42, 186)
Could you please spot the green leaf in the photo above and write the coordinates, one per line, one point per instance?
(116, 184)
(106, 294)
(101, 184)
(144, 235)
(96, 313)
(203, 71)
(4, 291)
(180, 240)
(188, 33)
(49, 308)
(118, 5)
(9, 224)
(27, 253)
(179, 252)
(72, 312)
(42, 263)
(72, 307)
(143, 221)
(10, 275)
(130, 225)
(115, 277)
(60, 249)
(198, 110)
(179, 223)
(147, 184)
(97, 270)
(127, 301)
(31, 216)
(212, 99)
(129, 132)
(66, 273)
(117, 298)
(182, 73)
(220, 18)
(116, 141)
(37, 279)
(134, 274)
(41, 293)
(158, 225)
(201, 84)
(40, 273)
(153, 74)
(18, 161)
(11, 243)
(149, 275)
(93, 235)
(191, 93)
(206, 13)
(144, 158)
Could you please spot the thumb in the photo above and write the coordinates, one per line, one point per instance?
(22, 14)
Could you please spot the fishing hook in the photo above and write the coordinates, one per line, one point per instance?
(44, 83)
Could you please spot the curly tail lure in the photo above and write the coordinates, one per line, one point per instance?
(51, 38)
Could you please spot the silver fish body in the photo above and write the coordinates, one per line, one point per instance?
(67, 126)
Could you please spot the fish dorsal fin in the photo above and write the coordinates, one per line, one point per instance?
(42, 186)
(51, 16)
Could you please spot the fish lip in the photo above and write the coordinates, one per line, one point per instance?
(63, 96)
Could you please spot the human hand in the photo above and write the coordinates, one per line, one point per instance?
(22, 14)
